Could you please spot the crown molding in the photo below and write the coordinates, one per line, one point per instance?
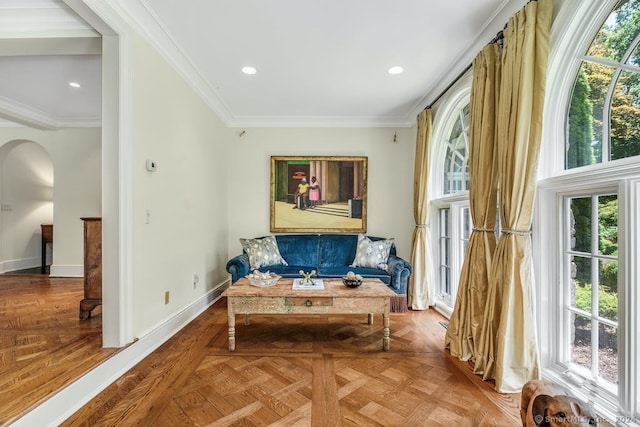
(20, 113)
(4, 123)
(41, 18)
(17, 113)
(139, 16)
(80, 122)
(26, 46)
(320, 121)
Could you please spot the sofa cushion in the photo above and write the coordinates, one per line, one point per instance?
(289, 270)
(299, 249)
(262, 252)
(337, 250)
(372, 254)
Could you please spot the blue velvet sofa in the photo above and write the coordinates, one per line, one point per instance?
(330, 255)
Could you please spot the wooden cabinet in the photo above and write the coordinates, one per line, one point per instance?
(47, 237)
(92, 266)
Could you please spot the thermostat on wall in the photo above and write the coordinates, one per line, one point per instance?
(151, 165)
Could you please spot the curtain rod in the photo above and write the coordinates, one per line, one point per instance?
(497, 39)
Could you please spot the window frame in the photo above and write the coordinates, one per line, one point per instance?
(564, 337)
(445, 303)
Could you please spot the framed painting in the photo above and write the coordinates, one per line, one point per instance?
(320, 194)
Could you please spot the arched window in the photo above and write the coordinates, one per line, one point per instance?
(603, 120)
(456, 161)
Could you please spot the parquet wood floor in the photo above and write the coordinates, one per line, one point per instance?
(286, 371)
(302, 371)
(43, 343)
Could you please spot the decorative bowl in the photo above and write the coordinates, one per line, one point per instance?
(351, 283)
(263, 280)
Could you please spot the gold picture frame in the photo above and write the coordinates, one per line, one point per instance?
(337, 205)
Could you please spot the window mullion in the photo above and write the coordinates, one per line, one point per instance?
(610, 63)
(563, 351)
(595, 283)
(606, 117)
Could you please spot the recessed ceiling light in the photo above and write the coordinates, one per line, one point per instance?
(74, 84)
(395, 70)
(249, 70)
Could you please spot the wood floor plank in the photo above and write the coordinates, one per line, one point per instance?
(325, 406)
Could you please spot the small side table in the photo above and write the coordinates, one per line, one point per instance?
(47, 237)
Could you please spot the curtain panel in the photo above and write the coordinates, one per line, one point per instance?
(508, 348)
(463, 333)
(419, 295)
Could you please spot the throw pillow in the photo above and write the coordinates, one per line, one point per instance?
(262, 252)
(372, 254)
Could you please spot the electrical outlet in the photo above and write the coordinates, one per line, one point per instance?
(166, 297)
(196, 280)
(147, 216)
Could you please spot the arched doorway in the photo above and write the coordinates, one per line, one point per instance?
(26, 195)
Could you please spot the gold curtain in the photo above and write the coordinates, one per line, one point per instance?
(465, 323)
(418, 292)
(508, 348)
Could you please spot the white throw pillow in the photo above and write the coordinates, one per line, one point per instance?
(262, 252)
(372, 254)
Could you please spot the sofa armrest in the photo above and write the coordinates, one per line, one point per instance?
(238, 267)
(400, 270)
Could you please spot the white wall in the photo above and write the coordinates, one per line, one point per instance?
(75, 154)
(77, 194)
(186, 196)
(390, 176)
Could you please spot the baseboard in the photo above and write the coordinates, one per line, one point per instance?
(19, 264)
(70, 399)
(444, 310)
(66, 271)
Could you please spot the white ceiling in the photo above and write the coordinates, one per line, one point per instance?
(319, 62)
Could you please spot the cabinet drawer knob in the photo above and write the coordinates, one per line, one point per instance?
(308, 303)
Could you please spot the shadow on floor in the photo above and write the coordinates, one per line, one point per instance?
(34, 270)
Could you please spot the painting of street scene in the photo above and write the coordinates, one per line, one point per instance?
(318, 194)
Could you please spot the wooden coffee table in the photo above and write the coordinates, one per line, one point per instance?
(371, 297)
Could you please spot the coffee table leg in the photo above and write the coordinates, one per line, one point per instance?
(370, 319)
(232, 331)
(385, 330)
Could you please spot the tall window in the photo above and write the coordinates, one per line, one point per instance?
(452, 203)
(587, 229)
